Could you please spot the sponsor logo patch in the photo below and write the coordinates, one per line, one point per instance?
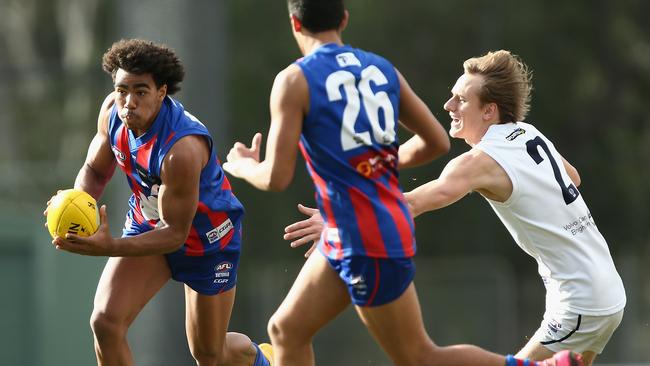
(219, 231)
(223, 267)
(222, 272)
(516, 133)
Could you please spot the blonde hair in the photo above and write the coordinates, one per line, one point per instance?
(506, 82)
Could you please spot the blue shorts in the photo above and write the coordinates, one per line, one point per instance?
(374, 281)
(208, 275)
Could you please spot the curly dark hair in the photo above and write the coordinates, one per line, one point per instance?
(138, 56)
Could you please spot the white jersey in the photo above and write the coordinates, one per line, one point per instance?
(550, 221)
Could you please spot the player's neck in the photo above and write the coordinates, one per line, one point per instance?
(313, 41)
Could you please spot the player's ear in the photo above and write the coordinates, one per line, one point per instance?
(491, 111)
(162, 92)
(344, 21)
(296, 25)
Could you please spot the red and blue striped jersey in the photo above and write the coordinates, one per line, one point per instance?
(349, 141)
(216, 224)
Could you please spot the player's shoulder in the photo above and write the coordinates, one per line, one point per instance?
(290, 74)
(472, 160)
(186, 150)
(105, 111)
(108, 102)
(290, 80)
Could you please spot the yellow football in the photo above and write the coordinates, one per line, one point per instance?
(72, 211)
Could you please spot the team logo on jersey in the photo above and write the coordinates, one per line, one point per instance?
(219, 231)
(516, 133)
(347, 59)
(118, 154)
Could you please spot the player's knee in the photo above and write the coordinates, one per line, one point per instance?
(281, 330)
(106, 327)
(273, 329)
(423, 352)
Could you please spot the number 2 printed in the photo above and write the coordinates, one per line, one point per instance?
(570, 192)
(372, 103)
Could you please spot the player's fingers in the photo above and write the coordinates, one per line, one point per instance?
(59, 243)
(47, 205)
(307, 210)
(231, 168)
(73, 238)
(71, 243)
(305, 239)
(311, 250)
(103, 218)
(256, 142)
(300, 233)
(297, 226)
(309, 231)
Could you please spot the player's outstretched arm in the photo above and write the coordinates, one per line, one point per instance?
(471, 171)
(430, 140)
(305, 231)
(100, 161)
(288, 104)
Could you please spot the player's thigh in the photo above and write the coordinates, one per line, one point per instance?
(566, 330)
(397, 325)
(127, 284)
(207, 317)
(316, 297)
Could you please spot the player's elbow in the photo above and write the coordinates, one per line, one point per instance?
(175, 239)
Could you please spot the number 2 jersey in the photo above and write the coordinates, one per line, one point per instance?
(549, 220)
(349, 142)
(216, 224)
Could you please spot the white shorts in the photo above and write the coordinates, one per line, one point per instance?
(571, 331)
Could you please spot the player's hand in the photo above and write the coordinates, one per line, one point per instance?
(49, 202)
(99, 244)
(307, 230)
(241, 158)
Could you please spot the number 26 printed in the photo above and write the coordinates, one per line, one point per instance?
(372, 103)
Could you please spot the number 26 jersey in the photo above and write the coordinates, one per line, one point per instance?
(349, 141)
